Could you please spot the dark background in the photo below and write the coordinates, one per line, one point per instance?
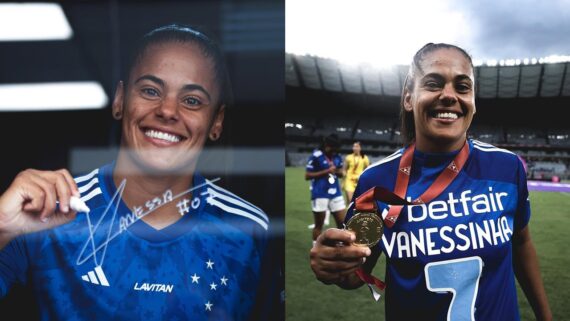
(251, 34)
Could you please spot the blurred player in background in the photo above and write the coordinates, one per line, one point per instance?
(354, 165)
(324, 169)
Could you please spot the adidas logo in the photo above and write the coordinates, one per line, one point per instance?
(96, 277)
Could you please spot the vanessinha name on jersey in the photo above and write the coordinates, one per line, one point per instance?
(492, 230)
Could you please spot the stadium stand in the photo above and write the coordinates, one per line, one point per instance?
(375, 130)
(526, 136)
(344, 128)
(559, 137)
(547, 170)
(486, 133)
(516, 110)
(299, 128)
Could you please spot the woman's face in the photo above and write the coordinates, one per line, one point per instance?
(169, 107)
(356, 148)
(442, 101)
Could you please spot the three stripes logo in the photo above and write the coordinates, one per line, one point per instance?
(96, 277)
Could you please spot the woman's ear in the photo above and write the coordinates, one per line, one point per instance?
(118, 101)
(217, 124)
(408, 100)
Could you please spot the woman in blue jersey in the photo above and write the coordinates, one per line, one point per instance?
(454, 249)
(324, 168)
(160, 242)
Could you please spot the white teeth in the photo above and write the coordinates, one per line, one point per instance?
(162, 135)
(446, 115)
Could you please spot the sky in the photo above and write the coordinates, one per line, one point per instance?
(389, 32)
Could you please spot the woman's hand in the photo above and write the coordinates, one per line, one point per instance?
(31, 203)
(335, 258)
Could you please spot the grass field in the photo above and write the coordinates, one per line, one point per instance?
(308, 299)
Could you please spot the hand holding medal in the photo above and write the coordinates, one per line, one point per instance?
(335, 258)
(366, 222)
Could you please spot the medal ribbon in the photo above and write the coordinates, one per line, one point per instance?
(367, 201)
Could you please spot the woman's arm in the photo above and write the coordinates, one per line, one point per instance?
(345, 166)
(324, 172)
(525, 262)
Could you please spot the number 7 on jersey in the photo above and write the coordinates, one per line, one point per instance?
(461, 278)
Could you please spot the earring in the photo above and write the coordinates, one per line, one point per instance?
(117, 115)
(214, 136)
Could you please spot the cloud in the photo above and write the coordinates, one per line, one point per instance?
(517, 29)
(389, 32)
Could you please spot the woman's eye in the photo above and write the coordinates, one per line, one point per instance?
(150, 92)
(432, 84)
(463, 87)
(191, 101)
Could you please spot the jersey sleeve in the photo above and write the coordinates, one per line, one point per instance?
(312, 163)
(522, 217)
(340, 162)
(13, 265)
(366, 161)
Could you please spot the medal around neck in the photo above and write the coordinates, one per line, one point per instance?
(367, 227)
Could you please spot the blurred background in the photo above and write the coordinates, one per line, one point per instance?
(60, 64)
(344, 71)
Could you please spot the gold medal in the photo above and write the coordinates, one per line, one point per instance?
(368, 228)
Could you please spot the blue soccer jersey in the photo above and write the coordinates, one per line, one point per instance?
(110, 265)
(451, 259)
(325, 186)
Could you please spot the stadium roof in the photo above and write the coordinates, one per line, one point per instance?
(518, 81)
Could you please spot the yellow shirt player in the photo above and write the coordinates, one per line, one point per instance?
(354, 165)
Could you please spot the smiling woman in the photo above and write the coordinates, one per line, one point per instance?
(155, 225)
(439, 99)
(455, 250)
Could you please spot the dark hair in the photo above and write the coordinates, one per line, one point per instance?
(331, 140)
(407, 126)
(359, 144)
(186, 34)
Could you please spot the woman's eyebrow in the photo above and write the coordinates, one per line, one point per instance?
(191, 87)
(433, 75)
(463, 77)
(151, 78)
(440, 77)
